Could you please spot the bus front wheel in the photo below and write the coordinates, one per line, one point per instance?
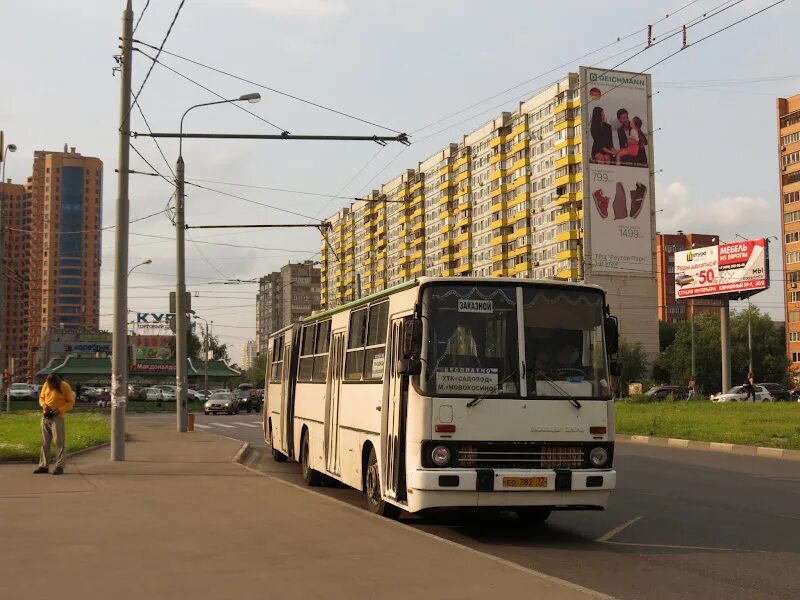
(310, 476)
(277, 456)
(375, 502)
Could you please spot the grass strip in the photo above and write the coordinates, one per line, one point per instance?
(771, 424)
(20, 434)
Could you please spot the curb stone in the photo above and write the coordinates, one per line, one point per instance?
(724, 448)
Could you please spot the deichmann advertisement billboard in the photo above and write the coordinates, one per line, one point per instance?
(616, 114)
(727, 269)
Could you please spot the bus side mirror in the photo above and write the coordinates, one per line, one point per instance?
(613, 368)
(612, 335)
(409, 366)
(412, 339)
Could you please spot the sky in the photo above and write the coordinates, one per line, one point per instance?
(402, 66)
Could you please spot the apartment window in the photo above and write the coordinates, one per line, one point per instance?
(791, 138)
(790, 197)
(792, 257)
(791, 217)
(794, 316)
(792, 157)
(794, 336)
(795, 357)
(794, 296)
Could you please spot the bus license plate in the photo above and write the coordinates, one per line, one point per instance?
(522, 482)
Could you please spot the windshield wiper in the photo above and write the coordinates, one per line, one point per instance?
(564, 393)
(477, 400)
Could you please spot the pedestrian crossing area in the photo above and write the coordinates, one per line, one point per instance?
(231, 425)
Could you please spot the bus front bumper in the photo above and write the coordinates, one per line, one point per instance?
(562, 488)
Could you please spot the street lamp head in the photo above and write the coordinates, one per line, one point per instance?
(11, 148)
(251, 98)
(149, 261)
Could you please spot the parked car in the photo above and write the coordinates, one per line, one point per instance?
(22, 391)
(660, 392)
(222, 402)
(248, 398)
(92, 393)
(195, 396)
(777, 392)
(153, 394)
(739, 394)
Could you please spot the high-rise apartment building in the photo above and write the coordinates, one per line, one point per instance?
(789, 157)
(285, 297)
(13, 268)
(671, 310)
(54, 252)
(528, 194)
(248, 354)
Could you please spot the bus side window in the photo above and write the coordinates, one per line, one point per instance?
(321, 347)
(277, 359)
(375, 355)
(306, 354)
(354, 363)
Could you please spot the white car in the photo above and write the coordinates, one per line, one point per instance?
(21, 391)
(739, 394)
(153, 394)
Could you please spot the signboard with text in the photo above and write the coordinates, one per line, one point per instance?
(735, 269)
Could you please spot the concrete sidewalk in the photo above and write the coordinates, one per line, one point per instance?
(179, 519)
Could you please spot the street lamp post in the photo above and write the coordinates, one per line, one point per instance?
(181, 329)
(4, 160)
(147, 262)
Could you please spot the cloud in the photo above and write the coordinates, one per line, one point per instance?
(749, 216)
(298, 9)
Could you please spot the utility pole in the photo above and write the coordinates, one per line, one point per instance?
(181, 363)
(691, 324)
(725, 342)
(119, 350)
(749, 337)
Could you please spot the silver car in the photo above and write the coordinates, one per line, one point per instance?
(22, 391)
(153, 394)
(222, 402)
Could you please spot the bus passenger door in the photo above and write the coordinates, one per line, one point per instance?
(287, 403)
(332, 398)
(395, 442)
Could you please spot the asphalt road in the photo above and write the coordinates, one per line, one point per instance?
(682, 524)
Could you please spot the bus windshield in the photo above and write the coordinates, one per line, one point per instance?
(474, 347)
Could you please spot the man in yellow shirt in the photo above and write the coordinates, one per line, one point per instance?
(56, 399)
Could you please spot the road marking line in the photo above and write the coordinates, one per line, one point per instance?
(224, 425)
(616, 530)
(671, 546)
(245, 424)
(202, 426)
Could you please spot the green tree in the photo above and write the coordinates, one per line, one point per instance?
(195, 347)
(666, 334)
(255, 374)
(632, 361)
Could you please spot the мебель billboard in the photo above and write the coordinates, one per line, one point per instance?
(618, 201)
(727, 269)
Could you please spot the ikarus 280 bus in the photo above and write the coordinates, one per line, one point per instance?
(452, 392)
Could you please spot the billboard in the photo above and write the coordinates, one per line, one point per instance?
(154, 346)
(617, 155)
(728, 269)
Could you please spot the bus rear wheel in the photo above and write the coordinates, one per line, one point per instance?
(375, 502)
(533, 515)
(310, 476)
(277, 456)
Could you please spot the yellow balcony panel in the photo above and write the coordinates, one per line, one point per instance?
(349, 280)
(416, 213)
(519, 164)
(524, 266)
(498, 224)
(519, 182)
(495, 142)
(519, 233)
(445, 244)
(567, 198)
(369, 272)
(417, 255)
(445, 227)
(580, 215)
(517, 217)
(567, 216)
(461, 253)
(418, 241)
(518, 251)
(444, 171)
(348, 246)
(461, 269)
(499, 272)
(568, 274)
(402, 246)
(446, 184)
(496, 174)
(500, 190)
(566, 254)
(367, 261)
(569, 159)
(402, 192)
(463, 221)
(416, 270)
(445, 213)
(461, 161)
(415, 187)
(565, 124)
(499, 239)
(522, 196)
(566, 142)
(463, 193)
(569, 178)
(418, 226)
(445, 198)
(461, 176)
(517, 130)
(448, 272)
(380, 230)
(417, 199)
(381, 254)
(567, 235)
(403, 260)
(496, 158)
(520, 145)
(403, 219)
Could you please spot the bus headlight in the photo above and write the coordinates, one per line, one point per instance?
(440, 455)
(598, 457)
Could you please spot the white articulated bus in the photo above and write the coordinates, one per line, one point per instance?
(452, 392)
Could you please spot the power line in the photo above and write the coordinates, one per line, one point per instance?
(349, 181)
(220, 96)
(270, 89)
(264, 204)
(141, 14)
(172, 239)
(147, 124)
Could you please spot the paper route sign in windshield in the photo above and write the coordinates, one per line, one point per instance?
(455, 380)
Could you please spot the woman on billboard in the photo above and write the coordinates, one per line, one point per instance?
(602, 138)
